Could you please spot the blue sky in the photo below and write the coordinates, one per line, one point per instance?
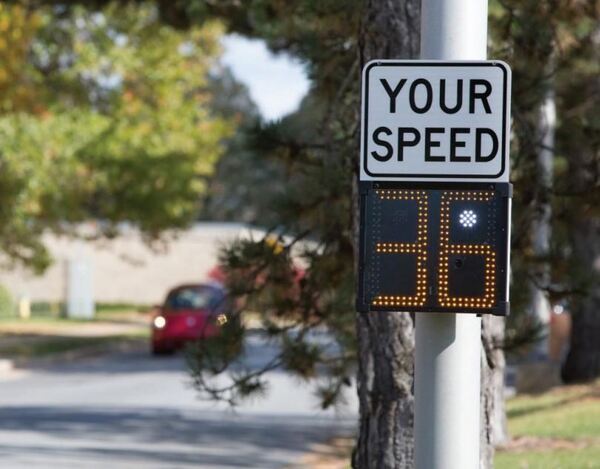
(277, 83)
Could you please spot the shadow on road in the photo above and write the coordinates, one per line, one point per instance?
(166, 437)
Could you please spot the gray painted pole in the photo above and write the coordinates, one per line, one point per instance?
(448, 346)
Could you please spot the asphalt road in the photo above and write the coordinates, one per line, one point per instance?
(131, 410)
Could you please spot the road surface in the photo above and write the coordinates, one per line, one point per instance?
(130, 410)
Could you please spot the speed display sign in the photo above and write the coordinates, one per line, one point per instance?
(435, 197)
(441, 248)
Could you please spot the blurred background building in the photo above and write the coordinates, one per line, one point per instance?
(124, 269)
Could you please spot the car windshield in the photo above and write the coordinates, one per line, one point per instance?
(199, 297)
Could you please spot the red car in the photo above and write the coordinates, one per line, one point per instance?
(189, 313)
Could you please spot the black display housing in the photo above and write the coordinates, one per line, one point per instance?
(434, 247)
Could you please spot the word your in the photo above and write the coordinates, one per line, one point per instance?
(435, 143)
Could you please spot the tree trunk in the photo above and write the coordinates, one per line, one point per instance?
(385, 377)
(493, 415)
(390, 30)
(583, 360)
(541, 228)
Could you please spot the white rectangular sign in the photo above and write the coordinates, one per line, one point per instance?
(435, 121)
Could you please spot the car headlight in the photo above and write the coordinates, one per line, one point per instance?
(159, 322)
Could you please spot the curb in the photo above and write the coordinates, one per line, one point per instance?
(89, 352)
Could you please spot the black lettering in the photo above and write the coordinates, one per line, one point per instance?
(402, 142)
(429, 144)
(459, 97)
(428, 98)
(383, 143)
(479, 133)
(392, 93)
(482, 95)
(454, 144)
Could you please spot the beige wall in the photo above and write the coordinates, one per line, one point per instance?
(125, 269)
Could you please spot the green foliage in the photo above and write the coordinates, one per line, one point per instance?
(300, 357)
(552, 46)
(121, 130)
(7, 304)
(214, 353)
(522, 35)
(299, 279)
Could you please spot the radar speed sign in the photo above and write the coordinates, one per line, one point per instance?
(435, 196)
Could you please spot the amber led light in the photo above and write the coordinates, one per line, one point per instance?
(447, 249)
(419, 247)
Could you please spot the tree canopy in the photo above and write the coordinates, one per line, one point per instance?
(105, 116)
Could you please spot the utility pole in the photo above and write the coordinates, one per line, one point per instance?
(448, 345)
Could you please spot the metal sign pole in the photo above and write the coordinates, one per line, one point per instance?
(448, 345)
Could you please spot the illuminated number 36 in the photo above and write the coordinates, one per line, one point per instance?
(446, 250)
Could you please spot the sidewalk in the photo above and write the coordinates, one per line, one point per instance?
(332, 454)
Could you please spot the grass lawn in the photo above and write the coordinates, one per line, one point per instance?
(46, 335)
(586, 458)
(556, 430)
(51, 345)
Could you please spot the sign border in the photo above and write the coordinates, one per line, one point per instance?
(419, 63)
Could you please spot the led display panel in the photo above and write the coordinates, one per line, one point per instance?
(434, 247)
